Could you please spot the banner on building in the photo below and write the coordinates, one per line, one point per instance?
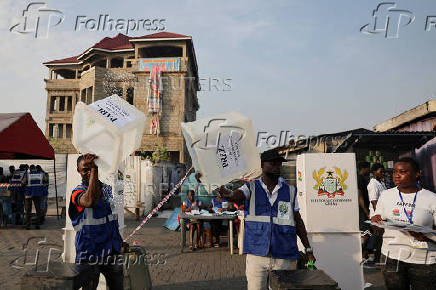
(170, 63)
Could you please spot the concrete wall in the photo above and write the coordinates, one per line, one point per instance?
(406, 117)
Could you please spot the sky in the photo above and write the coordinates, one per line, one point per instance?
(299, 66)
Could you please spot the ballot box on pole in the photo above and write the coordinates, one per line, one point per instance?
(222, 148)
(328, 200)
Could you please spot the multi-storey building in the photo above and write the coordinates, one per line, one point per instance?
(123, 65)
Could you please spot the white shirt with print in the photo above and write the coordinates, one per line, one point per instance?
(399, 244)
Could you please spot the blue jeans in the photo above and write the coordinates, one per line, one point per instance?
(44, 204)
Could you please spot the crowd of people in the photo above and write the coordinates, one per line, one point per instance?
(21, 188)
(198, 229)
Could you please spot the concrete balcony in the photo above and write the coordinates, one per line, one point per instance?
(59, 115)
(62, 84)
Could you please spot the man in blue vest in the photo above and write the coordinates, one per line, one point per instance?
(217, 227)
(98, 241)
(17, 187)
(272, 222)
(11, 174)
(33, 193)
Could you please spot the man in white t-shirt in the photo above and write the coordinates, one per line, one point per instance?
(410, 256)
(376, 185)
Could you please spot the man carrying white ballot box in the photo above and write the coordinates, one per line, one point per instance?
(272, 222)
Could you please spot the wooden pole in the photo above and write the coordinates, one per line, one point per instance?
(56, 187)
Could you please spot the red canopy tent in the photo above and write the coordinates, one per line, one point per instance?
(21, 138)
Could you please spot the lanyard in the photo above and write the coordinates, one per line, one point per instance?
(413, 207)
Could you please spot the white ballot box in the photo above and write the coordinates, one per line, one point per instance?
(222, 148)
(110, 128)
(328, 199)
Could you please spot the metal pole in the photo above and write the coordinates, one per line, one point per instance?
(56, 187)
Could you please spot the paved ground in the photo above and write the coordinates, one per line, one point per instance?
(203, 269)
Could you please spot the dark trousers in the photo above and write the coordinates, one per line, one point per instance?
(111, 269)
(28, 206)
(401, 276)
(217, 228)
(17, 200)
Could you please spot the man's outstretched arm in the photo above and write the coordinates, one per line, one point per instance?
(234, 196)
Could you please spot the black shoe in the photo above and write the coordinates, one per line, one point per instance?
(37, 227)
(27, 227)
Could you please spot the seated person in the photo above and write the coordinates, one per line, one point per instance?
(194, 224)
(217, 204)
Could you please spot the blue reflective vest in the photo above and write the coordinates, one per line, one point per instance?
(97, 233)
(270, 229)
(16, 179)
(216, 203)
(35, 186)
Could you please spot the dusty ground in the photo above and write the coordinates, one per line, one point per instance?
(203, 269)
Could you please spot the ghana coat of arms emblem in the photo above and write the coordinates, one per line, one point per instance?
(330, 183)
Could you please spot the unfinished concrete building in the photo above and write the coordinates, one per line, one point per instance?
(124, 65)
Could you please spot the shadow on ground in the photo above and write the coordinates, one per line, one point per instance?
(236, 283)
